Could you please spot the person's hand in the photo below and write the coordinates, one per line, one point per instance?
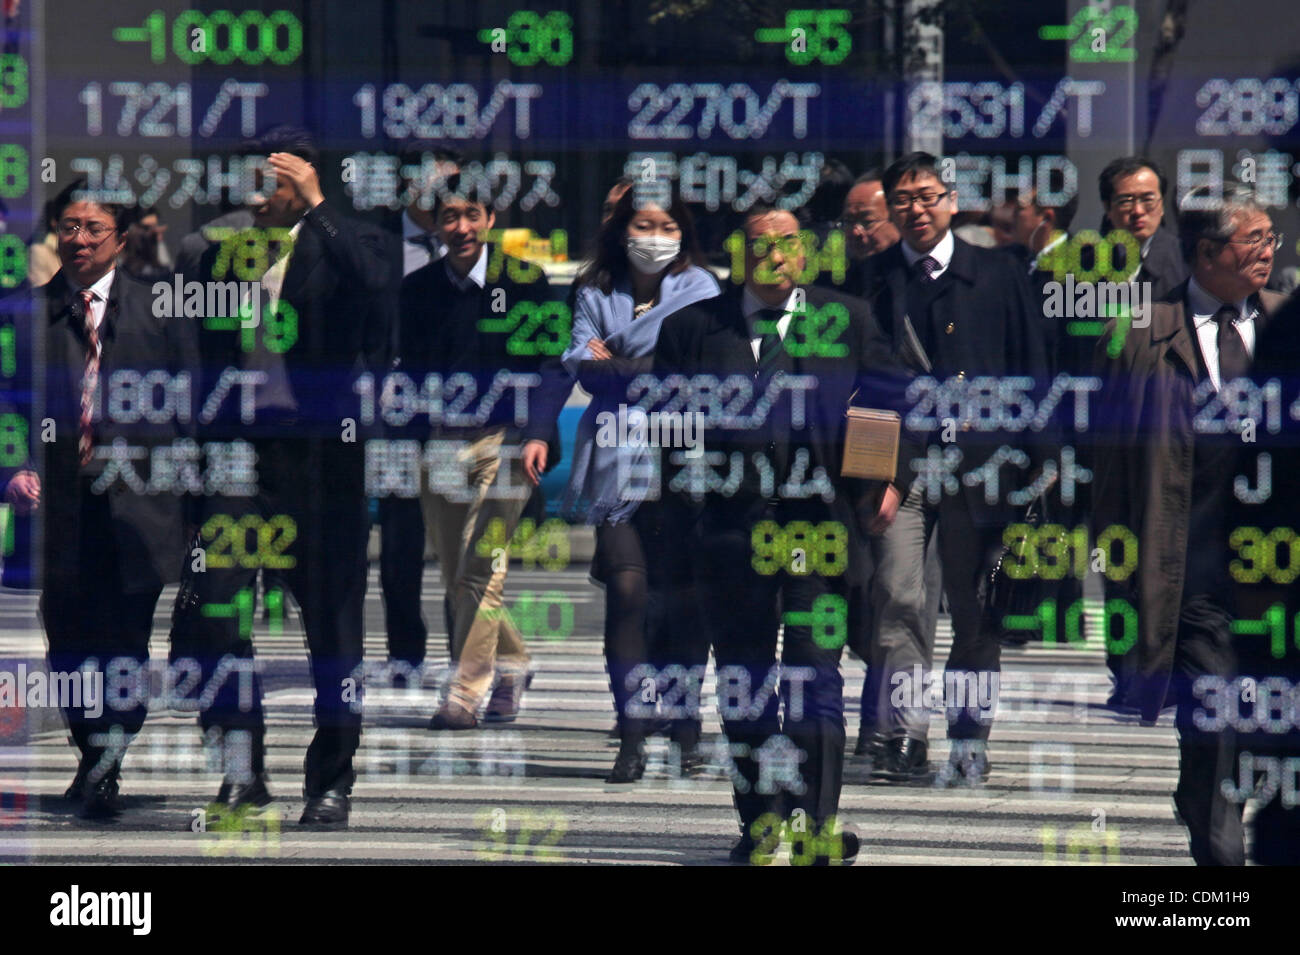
(24, 492)
(598, 350)
(301, 174)
(886, 510)
(535, 452)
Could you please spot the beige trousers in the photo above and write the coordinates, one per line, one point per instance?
(484, 637)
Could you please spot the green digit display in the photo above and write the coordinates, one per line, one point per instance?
(13, 171)
(13, 81)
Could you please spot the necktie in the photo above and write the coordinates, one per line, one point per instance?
(89, 379)
(926, 267)
(769, 346)
(427, 240)
(1233, 360)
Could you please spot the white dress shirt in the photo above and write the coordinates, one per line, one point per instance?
(415, 255)
(1204, 306)
(751, 305)
(273, 279)
(477, 275)
(941, 253)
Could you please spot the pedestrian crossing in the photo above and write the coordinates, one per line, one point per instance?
(1072, 782)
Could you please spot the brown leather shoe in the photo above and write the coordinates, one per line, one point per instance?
(503, 706)
(453, 716)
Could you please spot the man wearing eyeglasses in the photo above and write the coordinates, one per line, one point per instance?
(112, 539)
(1132, 190)
(1161, 473)
(954, 313)
(867, 232)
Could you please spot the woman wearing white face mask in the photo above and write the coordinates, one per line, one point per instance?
(647, 265)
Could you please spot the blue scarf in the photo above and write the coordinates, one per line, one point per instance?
(599, 475)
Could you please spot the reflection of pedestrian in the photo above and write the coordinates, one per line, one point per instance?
(1277, 357)
(145, 256)
(647, 266)
(1172, 485)
(321, 324)
(480, 484)
(747, 336)
(110, 547)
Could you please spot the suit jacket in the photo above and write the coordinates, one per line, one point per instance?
(712, 338)
(985, 324)
(442, 332)
(1163, 265)
(1143, 470)
(336, 283)
(148, 528)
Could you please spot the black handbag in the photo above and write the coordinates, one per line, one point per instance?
(1019, 608)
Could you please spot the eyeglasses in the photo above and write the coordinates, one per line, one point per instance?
(928, 200)
(1126, 202)
(96, 230)
(1260, 240)
(848, 223)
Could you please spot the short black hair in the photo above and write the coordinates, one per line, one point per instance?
(764, 208)
(905, 167)
(1126, 166)
(833, 184)
(871, 175)
(1065, 211)
(457, 185)
(415, 151)
(283, 139)
(124, 214)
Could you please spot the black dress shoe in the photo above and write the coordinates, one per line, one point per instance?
(848, 851)
(693, 761)
(99, 797)
(77, 790)
(745, 852)
(905, 760)
(233, 796)
(629, 764)
(871, 745)
(328, 810)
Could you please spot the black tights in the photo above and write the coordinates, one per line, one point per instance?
(650, 624)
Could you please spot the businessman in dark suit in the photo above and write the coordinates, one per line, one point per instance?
(323, 322)
(1133, 190)
(113, 527)
(954, 313)
(413, 242)
(1175, 484)
(780, 467)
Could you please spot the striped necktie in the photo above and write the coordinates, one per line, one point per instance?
(89, 379)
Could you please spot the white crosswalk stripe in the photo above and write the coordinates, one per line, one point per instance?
(1072, 781)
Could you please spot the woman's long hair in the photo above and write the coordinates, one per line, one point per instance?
(609, 265)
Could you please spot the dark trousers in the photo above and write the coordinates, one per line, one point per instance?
(967, 553)
(652, 625)
(744, 610)
(1206, 759)
(401, 575)
(95, 626)
(318, 486)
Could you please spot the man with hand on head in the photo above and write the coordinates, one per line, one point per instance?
(322, 323)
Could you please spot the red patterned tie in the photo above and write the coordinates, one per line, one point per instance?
(90, 380)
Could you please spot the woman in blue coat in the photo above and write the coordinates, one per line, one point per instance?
(647, 265)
